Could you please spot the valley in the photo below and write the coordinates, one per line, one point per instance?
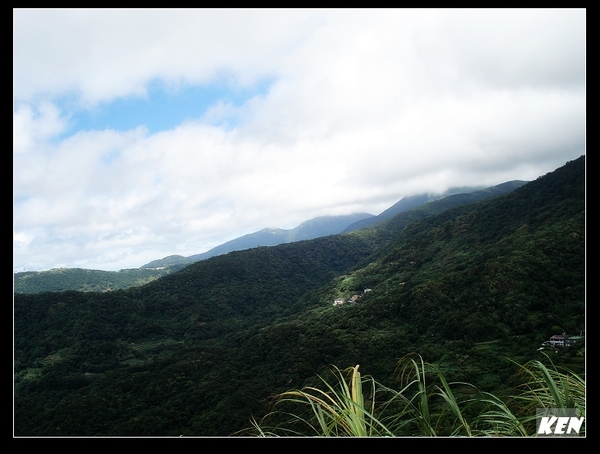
(472, 282)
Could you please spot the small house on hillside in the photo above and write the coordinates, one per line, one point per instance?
(338, 301)
(558, 340)
(564, 340)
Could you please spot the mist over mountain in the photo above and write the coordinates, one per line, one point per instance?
(461, 193)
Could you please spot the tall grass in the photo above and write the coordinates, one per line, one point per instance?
(543, 387)
(339, 409)
(425, 405)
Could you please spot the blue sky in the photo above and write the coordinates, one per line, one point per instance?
(162, 107)
(182, 129)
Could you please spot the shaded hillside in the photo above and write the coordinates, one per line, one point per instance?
(200, 351)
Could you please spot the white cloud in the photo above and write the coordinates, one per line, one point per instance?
(364, 106)
(35, 124)
(106, 53)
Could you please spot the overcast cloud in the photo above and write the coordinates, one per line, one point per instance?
(306, 113)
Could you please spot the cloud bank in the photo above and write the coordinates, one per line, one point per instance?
(356, 109)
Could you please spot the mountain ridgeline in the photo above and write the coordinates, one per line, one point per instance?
(314, 228)
(61, 279)
(465, 283)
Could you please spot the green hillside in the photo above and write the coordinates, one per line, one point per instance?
(61, 279)
(85, 280)
(201, 351)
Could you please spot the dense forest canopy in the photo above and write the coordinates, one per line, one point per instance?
(200, 351)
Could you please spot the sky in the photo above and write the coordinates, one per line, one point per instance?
(142, 133)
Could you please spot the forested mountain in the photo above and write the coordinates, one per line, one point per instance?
(200, 351)
(60, 279)
(79, 279)
(313, 228)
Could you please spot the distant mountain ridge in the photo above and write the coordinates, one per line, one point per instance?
(317, 227)
(411, 208)
(308, 230)
(410, 202)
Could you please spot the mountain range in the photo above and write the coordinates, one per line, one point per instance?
(332, 225)
(95, 280)
(313, 228)
(473, 287)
